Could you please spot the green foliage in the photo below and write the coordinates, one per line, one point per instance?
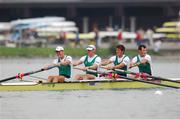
(25, 52)
(47, 52)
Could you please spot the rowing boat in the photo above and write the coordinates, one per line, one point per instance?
(80, 85)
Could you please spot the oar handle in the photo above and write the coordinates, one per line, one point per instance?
(134, 65)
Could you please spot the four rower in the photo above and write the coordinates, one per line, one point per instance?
(92, 61)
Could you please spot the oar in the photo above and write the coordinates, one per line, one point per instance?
(149, 82)
(129, 72)
(132, 79)
(145, 81)
(93, 71)
(28, 73)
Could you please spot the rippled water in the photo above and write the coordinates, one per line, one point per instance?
(87, 104)
(102, 104)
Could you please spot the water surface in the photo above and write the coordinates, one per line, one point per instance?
(88, 104)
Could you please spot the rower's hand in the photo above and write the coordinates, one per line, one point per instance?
(134, 65)
(83, 68)
(45, 68)
(143, 61)
(131, 66)
(86, 68)
(52, 65)
(58, 64)
(108, 67)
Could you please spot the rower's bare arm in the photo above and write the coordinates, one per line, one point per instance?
(66, 62)
(108, 67)
(144, 61)
(134, 64)
(105, 65)
(77, 63)
(94, 67)
(50, 65)
(121, 65)
(105, 62)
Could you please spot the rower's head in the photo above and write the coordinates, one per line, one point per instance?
(120, 49)
(91, 49)
(142, 50)
(60, 51)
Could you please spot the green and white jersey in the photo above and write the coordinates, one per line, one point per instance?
(146, 68)
(96, 58)
(64, 70)
(118, 60)
(89, 61)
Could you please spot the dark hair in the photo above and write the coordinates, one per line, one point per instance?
(141, 46)
(121, 47)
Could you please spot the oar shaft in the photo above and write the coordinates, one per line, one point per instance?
(25, 74)
(160, 78)
(28, 73)
(164, 79)
(149, 82)
(144, 81)
(7, 79)
(94, 71)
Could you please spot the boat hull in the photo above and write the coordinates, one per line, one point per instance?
(84, 85)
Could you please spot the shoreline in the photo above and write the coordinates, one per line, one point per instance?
(154, 57)
(40, 53)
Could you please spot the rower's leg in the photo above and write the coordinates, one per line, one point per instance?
(50, 78)
(58, 79)
(86, 76)
(79, 77)
(89, 76)
(61, 79)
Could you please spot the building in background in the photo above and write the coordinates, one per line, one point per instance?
(117, 14)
